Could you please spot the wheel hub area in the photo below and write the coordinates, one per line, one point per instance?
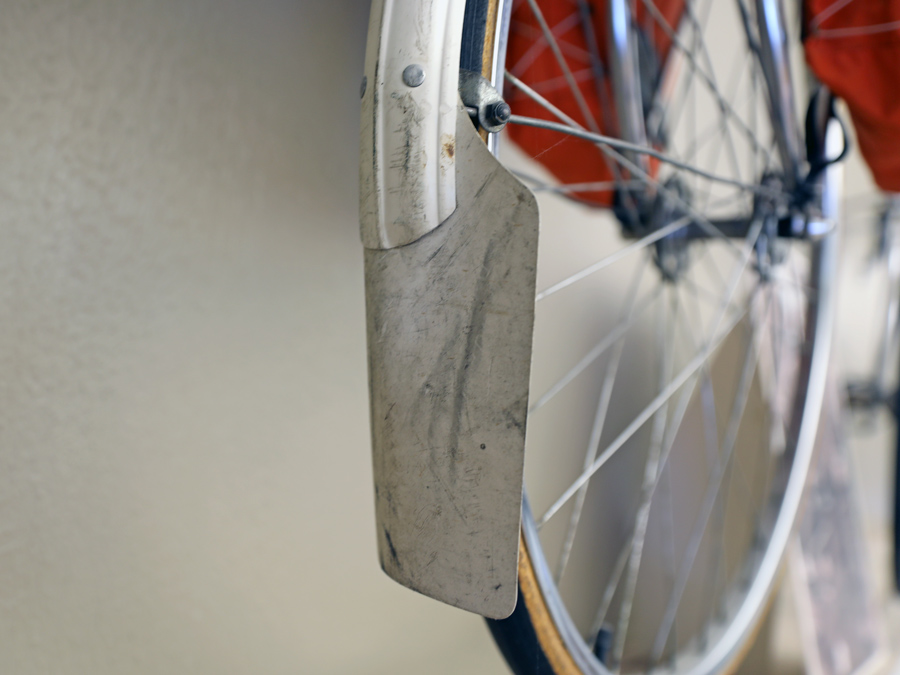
(774, 217)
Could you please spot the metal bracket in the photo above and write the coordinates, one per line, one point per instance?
(484, 104)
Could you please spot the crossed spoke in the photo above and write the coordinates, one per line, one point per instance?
(717, 174)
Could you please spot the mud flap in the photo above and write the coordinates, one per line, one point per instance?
(450, 321)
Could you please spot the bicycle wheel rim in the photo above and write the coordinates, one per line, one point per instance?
(725, 642)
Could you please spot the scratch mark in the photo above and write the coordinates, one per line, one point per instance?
(512, 421)
(436, 251)
(393, 551)
(474, 331)
(451, 495)
(487, 183)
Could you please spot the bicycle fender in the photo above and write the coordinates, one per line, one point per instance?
(450, 322)
(407, 177)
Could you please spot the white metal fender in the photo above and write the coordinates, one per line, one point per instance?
(408, 133)
(450, 321)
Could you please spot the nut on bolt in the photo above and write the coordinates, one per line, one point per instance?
(498, 113)
(484, 103)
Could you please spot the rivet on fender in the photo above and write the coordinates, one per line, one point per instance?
(413, 75)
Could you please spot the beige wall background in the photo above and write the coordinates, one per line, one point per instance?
(185, 482)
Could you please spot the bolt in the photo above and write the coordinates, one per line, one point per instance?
(362, 86)
(498, 113)
(413, 75)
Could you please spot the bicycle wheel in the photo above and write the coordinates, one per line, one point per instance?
(680, 344)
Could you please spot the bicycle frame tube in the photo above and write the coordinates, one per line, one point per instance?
(626, 78)
(777, 73)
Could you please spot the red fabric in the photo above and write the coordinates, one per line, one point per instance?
(864, 70)
(530, 59)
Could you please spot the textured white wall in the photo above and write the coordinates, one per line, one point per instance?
(185, 482)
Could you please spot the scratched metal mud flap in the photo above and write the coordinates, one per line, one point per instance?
(450, 322)
(840, 624)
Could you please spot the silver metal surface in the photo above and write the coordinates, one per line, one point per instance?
(780, 89)
(810, 394)
(413, 75)
(637, 150)
(626, 78)
(477, 93)
(450, 321)
(725, 641)
(407, 141)
(498, 61)
(743, 607)
(501, 39)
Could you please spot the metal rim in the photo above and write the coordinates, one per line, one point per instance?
(726, 642)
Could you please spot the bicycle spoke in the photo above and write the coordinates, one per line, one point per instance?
(553, 84)
(671, 434)
(699, 292)
(610, 590)
(829, 11)
(714, 340)
(618, 144)
(709, 162)
(651, 470)
(712, 493)
(641, 419)
(857, 31)
(639, 245)
(564, 66)
(540, 44)
(697, 70)
(559, 114)
(542, 101)
(538, 185)
(607, 148)
(609, 380)
(669, 552)
(712, 452)
(754, 116)
(585, 12)
(724, 132)
(608, 341)
(724, 114)
(688, 92)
